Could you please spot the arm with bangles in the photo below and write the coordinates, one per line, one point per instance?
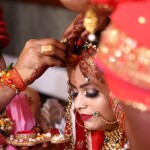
(28, 77)
(32, 63)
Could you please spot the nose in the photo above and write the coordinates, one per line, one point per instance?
(79, 102)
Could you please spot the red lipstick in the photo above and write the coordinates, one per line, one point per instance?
(85, 117)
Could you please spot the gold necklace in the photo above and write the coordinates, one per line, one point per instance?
(86, 136)
(113, 139)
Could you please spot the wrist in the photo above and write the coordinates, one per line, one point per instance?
(23, 74)
(12, 79)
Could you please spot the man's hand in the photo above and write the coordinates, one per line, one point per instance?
(37, 56)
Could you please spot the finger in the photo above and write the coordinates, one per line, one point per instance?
(78, 28)
(53, 61)
(79, 19)
(79, 22)
(59, 53)
(44, 145)
(45, 41)
(50, 41)
(51, 50)
(75, 33)
(67, 31)
(84, 34)
(70, 27)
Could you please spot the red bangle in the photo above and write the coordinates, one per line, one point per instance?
(17, 80)
(13, 80)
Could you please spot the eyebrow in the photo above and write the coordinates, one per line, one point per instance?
(82, 85)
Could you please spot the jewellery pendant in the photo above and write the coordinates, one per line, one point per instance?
(90, 23)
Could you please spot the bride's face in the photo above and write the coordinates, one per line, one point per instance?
(87, 100)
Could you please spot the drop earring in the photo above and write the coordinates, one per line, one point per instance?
(87, 79)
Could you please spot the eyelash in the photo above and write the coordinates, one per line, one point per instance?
(92, 94)
(74, 95)
(89, 95)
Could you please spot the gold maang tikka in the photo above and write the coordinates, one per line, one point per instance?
(90, 23)
(91, 18)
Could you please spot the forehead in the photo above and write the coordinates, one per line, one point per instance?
(75, 76)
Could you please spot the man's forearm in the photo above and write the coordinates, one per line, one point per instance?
(6, 95)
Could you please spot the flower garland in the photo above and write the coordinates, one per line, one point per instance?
(11, 78)
(6, 125)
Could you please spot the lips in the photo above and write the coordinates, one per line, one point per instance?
(85, 116)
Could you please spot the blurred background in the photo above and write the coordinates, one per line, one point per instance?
(31, 19)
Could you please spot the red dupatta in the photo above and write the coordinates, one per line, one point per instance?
(97, 137)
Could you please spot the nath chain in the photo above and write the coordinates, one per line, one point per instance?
(97, 114)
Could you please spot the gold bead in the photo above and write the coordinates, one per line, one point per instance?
(142, 20)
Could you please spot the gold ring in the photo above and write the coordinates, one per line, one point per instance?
(64, 41)
(47, 50)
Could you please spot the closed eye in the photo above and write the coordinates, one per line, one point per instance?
(74, 95)
(91, 93)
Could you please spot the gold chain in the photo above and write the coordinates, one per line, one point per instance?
(71, 145)
(86, 136)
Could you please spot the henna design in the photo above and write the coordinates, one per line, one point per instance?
(37, 73)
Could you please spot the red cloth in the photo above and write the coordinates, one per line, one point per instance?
(128, 85)
(129, 22)
(2, 139)
(54, 131)
(125, 91)
(80, 134)
(97, 137)
(111, 3)
(4, 39)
